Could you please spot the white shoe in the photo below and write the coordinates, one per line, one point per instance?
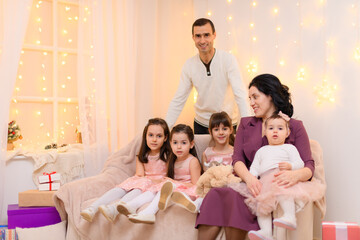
(165, 194)
(143, 218)
(259, 235)
(184, 201)
(88, 213)
(109, 211)
(285, 222)
(126, 209)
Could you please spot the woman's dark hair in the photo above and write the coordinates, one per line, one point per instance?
(222, 118)
(180, 128)
(271, 86)
(165, 149)
(201, 22)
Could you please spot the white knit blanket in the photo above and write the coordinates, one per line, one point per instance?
(68, 161)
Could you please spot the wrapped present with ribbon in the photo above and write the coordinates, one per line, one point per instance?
(49, 177)
(52, 186)
(340, 231)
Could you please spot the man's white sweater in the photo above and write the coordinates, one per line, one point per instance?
(221, 91)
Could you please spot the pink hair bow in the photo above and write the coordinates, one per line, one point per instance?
(284, 116)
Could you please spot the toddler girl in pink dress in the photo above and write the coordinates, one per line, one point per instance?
(150, 170)
(269, 160)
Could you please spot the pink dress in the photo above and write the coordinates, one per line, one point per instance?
(217, 158)
(181, 176)
(155, 169)
(266, 202)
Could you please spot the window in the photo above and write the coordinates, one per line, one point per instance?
(44, 103)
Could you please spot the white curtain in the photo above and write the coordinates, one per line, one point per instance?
(124, 69)
(14, 16)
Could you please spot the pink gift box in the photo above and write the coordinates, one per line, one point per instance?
(340, 231)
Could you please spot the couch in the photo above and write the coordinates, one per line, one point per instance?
(173, 223)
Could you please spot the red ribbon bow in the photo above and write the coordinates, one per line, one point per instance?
(49, 174)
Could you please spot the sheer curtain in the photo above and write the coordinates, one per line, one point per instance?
(130, 56)
(14, 16)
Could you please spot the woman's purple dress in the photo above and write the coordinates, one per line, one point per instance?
(225, 207)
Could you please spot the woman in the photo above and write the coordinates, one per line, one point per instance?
(223, 207)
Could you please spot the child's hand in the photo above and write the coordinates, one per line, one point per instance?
(285, 166)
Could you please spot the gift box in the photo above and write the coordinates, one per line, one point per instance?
(49, 177)
(29, 217)
(340, 231)
(34, 198)
(49, 186)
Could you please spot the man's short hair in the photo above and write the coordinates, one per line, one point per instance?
(201, 22)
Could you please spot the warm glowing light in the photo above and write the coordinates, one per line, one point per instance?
(254, 4)
(44, 89)
(20, 76)
(85, 19)
(17, 89)
(69, 99)
(70, 40)
(357, 54)
(46, 99)
(41, 124)
(195, 95)
(282, 62)
(43, 65)
(67, 8)
(69, 18)
(48, 134)
(209, 13)
(252, 67)
(76, 18)
(325, 92)
(22, 52)
(301, 74)
(45, 53)
(229, 33)
(278, 29)
(68, 77)
(64, 110)
(65, 55)
(65, 31)
(254, 39)
(43, 78)
(40, 29)
(16, 111)
(37, 5)
(14, 100)
(38, 19)
(63, 62)
(38, 113)
(63, 86)
(276, 11)
(21, 62)
(229, 18)
(229, 1)
(252, 25)
(38, 42)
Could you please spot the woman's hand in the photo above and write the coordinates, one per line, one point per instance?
(254, 185)
(286, 178)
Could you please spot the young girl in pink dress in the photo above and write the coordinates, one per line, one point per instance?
(184, 169)
(150, 169)
(268, 161)
(221, 131)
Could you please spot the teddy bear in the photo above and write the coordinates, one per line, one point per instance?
(215, 176)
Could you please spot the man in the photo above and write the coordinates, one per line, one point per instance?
(216, 77)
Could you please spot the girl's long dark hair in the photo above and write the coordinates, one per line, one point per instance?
(270, 85)
(221, 118)
(165, 149)
(180, 128)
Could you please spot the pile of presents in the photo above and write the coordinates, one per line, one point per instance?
(35, 207)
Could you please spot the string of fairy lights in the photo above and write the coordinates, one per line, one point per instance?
(49, 70)
(325, 91)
